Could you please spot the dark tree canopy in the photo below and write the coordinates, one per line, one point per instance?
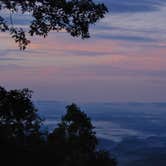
(73, 16)
(19, 121)
(75, 139)
(22, 141)
(76, 130)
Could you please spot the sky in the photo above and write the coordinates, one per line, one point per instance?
(123, 61)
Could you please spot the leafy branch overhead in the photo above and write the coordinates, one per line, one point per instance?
(73, 16)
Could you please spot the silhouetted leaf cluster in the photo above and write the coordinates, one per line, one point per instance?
(73, 16)
(19, 121)
(22, 141)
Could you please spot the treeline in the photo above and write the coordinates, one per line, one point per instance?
(23, 140)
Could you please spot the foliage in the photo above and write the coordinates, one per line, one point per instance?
(19, 121)
(76, 138)
(72, 143)
(76, 130)
(73, 16)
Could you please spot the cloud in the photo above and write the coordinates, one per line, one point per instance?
(125, 53)
(133, 6)
(126, 38)
(143, 27)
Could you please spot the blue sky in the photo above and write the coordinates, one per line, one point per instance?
(124, 60)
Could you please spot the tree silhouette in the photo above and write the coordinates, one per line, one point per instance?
(73, 16)
(72, 143)
(76, 130)
(19, 121)
(75, 137)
